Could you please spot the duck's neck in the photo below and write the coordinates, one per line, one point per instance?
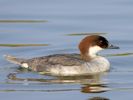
(91, 53)
(87, 57)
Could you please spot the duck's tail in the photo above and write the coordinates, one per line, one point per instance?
(14, 60)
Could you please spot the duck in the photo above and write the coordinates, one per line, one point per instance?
(87, 62)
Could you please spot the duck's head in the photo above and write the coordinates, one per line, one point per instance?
(90, 45)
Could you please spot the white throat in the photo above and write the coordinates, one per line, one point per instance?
(92, 52)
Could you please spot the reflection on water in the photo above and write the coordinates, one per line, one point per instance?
(94, 89)
(93, 80)
(98, 98)
(89, 84)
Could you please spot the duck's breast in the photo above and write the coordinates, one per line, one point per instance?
(98, 64)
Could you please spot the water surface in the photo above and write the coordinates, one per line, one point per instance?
(30, 28)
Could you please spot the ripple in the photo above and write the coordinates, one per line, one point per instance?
(23, 21)
(79, 34)
(120, 54)
(54, 90)
(22, 45)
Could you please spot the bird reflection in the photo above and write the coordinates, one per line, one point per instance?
(94, 89)
(91, 79)
(98, 98)
(89, 84)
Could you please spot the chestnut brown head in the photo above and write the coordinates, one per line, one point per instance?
(90, 45)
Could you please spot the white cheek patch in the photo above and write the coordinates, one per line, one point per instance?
(93, 50)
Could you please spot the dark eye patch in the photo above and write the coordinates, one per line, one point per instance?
(102, 42)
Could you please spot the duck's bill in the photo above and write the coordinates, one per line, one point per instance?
(112, 47)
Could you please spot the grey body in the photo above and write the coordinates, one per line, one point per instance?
(63, 64)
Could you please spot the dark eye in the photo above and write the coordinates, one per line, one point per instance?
(101, 41)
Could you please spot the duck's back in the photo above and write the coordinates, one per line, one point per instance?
(46, 62)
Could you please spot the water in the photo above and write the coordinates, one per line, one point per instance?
(56, 23)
